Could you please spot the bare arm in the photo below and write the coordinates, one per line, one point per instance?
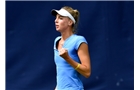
(85, 67)
(83, 53)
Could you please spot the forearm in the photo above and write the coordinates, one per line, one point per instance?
(82, 69)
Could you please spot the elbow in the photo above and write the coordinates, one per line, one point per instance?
(88, 75)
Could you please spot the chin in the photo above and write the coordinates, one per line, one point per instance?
(58, 30)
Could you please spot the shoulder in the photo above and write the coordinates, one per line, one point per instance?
(79, 37)
(79, 40)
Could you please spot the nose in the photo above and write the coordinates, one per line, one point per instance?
(56, 20)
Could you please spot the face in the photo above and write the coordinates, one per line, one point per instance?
(61, 23)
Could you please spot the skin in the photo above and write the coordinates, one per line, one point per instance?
(64, 26)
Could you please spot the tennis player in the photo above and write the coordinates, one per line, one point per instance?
(71, 53)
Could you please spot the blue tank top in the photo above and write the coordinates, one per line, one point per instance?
(67, 77)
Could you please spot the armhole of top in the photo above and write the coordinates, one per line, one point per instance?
(78, 44)
(56, 41)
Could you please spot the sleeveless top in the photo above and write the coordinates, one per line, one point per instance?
(67, 77)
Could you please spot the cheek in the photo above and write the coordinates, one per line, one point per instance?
(63, 24)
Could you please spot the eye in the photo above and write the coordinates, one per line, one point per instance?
(61, 17)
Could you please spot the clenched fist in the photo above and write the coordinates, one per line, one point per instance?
(64, 53)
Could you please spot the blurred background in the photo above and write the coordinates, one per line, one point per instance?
(108, 26)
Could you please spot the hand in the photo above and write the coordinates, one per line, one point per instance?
(64, 53)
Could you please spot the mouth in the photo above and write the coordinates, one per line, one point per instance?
(56, 25)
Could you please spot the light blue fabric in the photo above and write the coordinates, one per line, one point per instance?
(67, 77)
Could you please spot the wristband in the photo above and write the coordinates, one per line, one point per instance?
(77, 66)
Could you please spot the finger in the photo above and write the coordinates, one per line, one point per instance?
(61, 50)
(64, 49)
(60, 53)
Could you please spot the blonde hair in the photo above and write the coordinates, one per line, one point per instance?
(75, 13)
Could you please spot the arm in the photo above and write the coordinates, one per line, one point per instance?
(85, 67)
(83, 53)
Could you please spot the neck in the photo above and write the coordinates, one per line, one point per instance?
(65, 35)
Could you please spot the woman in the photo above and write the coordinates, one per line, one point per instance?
(71, 51)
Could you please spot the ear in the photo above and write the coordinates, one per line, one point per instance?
(70, 22)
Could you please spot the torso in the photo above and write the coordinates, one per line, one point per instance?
(67, 77)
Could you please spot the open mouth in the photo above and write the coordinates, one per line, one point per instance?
(56, 25)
